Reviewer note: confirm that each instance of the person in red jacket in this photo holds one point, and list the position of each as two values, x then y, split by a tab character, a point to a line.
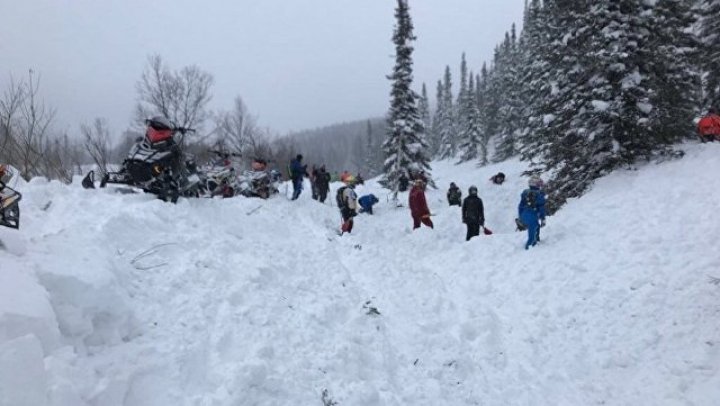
709	126
418	205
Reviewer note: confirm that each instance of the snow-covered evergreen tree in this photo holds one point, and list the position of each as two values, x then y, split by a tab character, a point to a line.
673	74
471	134
435	140
535	75
710	57
406	147
424	111
446	122
462	108
371	162
510	87
481	84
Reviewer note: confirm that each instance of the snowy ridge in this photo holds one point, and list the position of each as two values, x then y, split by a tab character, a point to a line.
119	299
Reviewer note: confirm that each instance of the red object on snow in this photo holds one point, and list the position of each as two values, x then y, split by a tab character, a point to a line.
709	125
487	231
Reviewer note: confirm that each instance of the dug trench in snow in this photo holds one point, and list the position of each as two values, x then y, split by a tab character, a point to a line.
613	307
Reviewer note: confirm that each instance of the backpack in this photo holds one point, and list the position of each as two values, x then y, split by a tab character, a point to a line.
530	200
339	198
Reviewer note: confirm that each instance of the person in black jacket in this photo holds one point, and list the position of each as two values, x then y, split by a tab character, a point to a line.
322	183
473	213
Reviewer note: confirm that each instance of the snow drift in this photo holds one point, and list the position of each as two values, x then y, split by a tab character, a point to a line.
122	300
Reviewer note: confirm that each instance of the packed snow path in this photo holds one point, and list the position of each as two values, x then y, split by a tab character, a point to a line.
119	299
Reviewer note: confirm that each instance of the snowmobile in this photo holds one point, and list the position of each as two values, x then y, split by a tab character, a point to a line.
156	164
9	201
219	178
257	182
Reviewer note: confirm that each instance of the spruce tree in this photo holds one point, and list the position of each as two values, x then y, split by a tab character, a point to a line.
370	163
481	100
471	134
447	127
406	148
424	111
461	111
534	74
510	88
673	75
435	140
710	57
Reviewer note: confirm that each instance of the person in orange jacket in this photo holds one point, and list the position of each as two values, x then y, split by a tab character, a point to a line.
344	176
418	205
709	126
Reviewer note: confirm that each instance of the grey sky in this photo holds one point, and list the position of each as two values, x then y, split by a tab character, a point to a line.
297	63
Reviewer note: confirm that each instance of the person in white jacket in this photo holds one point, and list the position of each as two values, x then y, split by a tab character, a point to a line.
347	202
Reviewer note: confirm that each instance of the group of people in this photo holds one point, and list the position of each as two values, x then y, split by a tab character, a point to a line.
531	209
346	199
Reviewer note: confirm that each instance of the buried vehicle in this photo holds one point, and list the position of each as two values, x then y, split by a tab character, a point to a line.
156	164
218	178
9	200
258	182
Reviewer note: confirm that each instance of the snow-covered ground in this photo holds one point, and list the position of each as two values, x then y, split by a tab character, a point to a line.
110	299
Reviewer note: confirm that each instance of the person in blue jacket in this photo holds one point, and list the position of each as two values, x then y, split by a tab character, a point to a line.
531	210
297	172
367	202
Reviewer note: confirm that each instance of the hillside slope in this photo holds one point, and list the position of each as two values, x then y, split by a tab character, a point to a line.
119	299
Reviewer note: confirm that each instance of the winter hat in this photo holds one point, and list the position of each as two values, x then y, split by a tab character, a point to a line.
452	184
535	181
299	157
472	190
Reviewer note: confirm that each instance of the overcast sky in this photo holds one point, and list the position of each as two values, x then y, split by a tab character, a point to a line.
297	63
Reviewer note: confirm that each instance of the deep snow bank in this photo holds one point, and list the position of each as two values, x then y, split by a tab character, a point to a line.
120	299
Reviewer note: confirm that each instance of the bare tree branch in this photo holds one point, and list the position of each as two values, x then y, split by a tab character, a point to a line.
181	96
97	143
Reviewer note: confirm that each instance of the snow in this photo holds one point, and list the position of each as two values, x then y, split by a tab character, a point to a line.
645	107
600	105
22	373
631	80
122	300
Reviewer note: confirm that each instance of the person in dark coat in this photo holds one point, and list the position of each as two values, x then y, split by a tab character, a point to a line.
322	183
297	172
454	195
418	205
531	210
313	182
473	213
